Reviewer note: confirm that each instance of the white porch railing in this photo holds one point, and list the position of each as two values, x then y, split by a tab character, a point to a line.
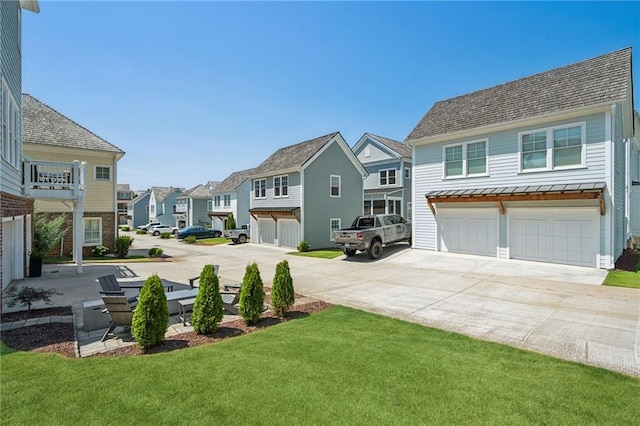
46	179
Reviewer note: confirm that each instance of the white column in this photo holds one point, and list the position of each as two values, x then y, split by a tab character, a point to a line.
78	232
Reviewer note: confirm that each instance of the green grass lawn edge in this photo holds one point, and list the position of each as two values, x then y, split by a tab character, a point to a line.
320	253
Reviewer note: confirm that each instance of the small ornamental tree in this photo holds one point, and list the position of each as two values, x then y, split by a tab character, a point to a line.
251	295
27	296
207	308
231	221
282	294
122	246
151	315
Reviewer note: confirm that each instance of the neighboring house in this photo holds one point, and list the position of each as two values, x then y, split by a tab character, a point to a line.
231	196
162	201
306	191
534	169
192	207
138	210
387	189
57	141
15	207
124	196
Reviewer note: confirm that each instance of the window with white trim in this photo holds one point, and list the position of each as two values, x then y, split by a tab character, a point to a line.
553	148
216	200
335	183
407	172
10	126
387	177
102	173
227	200
260	188
92	231
209	205
281	186
465	159
335	223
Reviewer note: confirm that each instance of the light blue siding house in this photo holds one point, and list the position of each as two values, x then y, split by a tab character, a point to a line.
192	207
162	202
535	169
387	189
304	192
231	196
15	208
138	210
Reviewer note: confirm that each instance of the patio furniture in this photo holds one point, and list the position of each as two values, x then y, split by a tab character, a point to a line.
111	287
230	301
216	269
121	314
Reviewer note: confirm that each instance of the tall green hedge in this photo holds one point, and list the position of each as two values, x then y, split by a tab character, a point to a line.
151	316
251	295
231	221
282	294
208	308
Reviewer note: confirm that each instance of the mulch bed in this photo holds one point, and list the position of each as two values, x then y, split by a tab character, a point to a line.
60	338
628	260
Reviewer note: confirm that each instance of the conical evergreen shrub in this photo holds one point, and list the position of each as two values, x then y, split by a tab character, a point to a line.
251	295
207	308
231	221
151	315
282	294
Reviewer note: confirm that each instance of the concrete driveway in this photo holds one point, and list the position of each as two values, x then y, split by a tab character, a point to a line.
557	310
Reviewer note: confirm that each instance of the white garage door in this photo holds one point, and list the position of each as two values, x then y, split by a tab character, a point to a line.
471	231
289	232
7	253
267	229
568	236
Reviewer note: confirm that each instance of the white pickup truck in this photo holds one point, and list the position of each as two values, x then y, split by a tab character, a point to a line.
370	233
240	235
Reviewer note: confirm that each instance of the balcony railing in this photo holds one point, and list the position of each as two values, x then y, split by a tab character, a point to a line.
46	179
180	208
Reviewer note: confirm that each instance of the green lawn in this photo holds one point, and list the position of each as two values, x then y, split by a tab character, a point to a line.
624	278
212	241
322	253
340	366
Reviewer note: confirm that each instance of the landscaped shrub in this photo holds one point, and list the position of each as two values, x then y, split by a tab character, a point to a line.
100	251
165	235
122	246
47	232
27	296
231	221
190	239
125	228
303	246
251	295
282	294
151	315
155	252
207	308
141	231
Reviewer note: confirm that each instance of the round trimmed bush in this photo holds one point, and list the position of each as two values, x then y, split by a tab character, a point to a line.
207	308
251	295
303	246
151	316
155	252
282	294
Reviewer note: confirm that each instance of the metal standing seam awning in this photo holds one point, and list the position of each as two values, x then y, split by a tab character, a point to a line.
571	191
276	212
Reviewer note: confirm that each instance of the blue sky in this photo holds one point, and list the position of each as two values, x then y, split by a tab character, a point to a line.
193	91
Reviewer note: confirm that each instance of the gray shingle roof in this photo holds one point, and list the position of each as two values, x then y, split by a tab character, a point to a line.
163	192
233	181
199	192
43	125
399	147
293	156
595	81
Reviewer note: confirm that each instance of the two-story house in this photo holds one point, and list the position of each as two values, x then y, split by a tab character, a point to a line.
534	169
124	196
192	207
231	196
387	189
16	208
305	191
49	136
162	201
138	209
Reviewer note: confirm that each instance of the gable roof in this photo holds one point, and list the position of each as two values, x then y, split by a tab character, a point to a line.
212	184
293	156
43	125
401	148
597	81
199	192
163	192
140	196
233	181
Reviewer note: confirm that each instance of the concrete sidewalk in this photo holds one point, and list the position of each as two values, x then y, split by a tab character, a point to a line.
556	310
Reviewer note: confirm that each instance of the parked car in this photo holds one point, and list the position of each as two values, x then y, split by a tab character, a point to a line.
370	233
159	229
239	235
148	226
198	232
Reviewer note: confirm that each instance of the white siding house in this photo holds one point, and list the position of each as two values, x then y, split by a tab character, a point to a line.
535	169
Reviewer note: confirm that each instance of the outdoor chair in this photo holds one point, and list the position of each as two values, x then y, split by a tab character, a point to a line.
121	314
216	270
230	301
111	287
